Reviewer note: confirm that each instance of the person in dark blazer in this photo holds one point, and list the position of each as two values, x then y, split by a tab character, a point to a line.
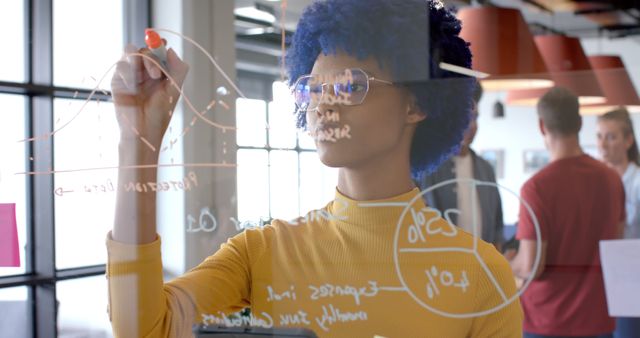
462	195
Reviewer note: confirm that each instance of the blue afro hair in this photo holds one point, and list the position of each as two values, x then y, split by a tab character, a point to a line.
411	37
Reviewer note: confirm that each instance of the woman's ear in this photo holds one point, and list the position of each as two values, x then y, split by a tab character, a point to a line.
629	139
414	113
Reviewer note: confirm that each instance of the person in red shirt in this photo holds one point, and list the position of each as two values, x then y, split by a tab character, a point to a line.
577	201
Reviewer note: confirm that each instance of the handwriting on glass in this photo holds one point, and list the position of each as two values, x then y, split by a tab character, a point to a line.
264	320
330	291
96	188
420	225
184	184
330	98
207	222
444	278
332	134
322	214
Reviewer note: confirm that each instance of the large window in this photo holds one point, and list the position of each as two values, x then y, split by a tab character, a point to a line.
58	137
279	174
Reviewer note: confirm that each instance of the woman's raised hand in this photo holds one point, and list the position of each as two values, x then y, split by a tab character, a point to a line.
145	97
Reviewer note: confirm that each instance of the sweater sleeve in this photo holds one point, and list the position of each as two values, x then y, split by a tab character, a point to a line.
141	305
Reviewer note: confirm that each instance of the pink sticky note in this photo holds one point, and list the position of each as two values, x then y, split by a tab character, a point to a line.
9	253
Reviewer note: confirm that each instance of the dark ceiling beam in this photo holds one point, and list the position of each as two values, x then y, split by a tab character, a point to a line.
253	21
602	10
620	4
621	31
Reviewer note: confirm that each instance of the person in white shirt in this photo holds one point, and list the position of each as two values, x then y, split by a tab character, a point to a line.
618	148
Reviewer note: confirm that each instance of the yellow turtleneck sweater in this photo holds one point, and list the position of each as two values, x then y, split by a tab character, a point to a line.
391	268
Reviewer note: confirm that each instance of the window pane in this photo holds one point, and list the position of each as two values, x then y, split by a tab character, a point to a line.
317	182
305	141
282	126
87	41
12	67
284	184
282	122
251	119
15	308
82	308
13	188
84	193
253	185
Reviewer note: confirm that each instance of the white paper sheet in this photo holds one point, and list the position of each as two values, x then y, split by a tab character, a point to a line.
621	269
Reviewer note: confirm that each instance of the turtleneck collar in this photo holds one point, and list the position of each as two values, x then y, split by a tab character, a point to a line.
383	212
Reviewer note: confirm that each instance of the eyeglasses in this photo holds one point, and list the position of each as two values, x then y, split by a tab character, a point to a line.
350	87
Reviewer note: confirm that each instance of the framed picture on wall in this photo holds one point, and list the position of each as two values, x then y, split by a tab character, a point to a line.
535	160
495	157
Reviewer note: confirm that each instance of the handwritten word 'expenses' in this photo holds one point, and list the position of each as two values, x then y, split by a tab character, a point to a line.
446	280
330	291
185	184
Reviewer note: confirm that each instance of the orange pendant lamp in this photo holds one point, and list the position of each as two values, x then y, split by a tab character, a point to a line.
568	66
616	85
503	48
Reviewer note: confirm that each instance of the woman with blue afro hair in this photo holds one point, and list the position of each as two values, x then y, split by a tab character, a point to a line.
369	86
408	40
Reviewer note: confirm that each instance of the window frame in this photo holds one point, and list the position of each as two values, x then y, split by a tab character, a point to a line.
39	92
266	94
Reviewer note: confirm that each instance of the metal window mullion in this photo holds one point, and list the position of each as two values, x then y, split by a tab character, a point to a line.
42	203
266	89
137	17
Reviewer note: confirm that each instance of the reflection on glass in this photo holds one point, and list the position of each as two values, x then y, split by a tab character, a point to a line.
251	120
86	142
13	159
87	41
15	308
82	308
12	67
284	184
253	186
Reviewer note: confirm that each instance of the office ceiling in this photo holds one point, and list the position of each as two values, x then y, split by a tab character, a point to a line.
580	18
259	42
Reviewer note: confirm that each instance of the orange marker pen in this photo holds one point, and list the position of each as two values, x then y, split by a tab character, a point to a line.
156	46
